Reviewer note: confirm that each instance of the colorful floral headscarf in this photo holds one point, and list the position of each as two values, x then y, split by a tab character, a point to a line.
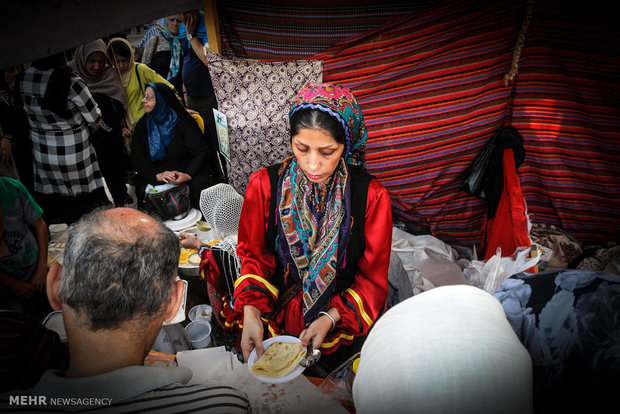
339	102
315	218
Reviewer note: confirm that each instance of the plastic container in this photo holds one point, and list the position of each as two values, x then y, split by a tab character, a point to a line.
202	311
199	333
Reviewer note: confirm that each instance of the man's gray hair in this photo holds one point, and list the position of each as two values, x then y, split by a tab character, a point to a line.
114	272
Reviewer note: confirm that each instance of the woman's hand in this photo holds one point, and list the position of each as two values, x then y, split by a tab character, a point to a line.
189	241
173	177
126	132
180	177
319	329
252	334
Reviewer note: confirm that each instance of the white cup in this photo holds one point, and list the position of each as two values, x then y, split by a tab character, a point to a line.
199	332
202	311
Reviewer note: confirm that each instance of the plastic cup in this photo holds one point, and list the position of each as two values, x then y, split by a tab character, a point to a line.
199	332
202	311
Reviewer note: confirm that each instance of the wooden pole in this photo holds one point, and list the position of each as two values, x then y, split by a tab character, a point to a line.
212	24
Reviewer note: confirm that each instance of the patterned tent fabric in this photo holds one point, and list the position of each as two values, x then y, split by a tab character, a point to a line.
432	92
277	29
256	98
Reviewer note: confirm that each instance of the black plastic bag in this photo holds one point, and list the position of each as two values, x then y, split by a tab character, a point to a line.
475	174
484	177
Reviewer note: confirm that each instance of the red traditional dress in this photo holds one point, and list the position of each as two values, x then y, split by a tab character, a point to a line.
359	304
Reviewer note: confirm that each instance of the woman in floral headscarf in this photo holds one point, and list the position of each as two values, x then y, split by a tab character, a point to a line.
162	52
315	234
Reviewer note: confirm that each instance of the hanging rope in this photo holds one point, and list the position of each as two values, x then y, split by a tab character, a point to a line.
516	54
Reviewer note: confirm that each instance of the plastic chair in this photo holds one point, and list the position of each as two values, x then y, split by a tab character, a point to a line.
200	122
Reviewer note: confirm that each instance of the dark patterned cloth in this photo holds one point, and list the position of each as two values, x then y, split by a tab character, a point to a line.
256	98
564	246
568	321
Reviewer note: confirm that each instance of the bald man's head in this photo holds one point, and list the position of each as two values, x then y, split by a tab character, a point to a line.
119	265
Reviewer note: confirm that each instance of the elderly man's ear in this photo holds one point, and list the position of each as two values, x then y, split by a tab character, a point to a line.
53	285
175	300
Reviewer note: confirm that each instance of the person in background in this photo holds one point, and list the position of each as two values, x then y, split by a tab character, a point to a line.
153	28
23	250
200	95
90	64
60	109
163	52
168	146
315	234
117	285
447	350
134	77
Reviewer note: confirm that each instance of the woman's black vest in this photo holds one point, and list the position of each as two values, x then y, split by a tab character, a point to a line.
359	180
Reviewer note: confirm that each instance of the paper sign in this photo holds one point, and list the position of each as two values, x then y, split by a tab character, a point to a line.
221	126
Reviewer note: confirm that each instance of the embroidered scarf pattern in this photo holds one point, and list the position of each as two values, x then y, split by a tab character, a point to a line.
311	215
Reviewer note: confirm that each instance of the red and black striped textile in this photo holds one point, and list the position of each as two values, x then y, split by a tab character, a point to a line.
277	29
567	107
432	93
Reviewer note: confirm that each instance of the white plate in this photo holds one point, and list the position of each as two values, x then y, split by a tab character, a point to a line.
291	375
189	221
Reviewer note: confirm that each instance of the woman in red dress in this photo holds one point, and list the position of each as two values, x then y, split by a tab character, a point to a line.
314	237
315	234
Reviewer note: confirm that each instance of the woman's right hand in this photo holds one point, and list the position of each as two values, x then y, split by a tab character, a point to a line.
189	241
252	334
166	176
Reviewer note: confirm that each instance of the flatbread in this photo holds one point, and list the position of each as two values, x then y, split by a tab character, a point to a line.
278	360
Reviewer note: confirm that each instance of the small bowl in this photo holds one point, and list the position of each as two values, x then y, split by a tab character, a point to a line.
203	225
202	311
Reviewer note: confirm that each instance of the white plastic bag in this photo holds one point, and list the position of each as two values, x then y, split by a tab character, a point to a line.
488	275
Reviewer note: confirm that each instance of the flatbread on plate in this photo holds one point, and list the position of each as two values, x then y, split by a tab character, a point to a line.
278	360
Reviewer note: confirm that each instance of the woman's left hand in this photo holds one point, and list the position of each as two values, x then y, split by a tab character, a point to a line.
317	330
179	177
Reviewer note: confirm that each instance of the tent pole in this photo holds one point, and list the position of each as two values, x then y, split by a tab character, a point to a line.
213	26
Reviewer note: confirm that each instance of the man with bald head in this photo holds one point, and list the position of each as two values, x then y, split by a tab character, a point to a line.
117	285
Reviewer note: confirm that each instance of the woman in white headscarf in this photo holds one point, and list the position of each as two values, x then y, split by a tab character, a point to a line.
90	63
134	76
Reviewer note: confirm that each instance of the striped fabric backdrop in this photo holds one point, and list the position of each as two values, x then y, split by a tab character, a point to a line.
567	107
276	29
431	88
